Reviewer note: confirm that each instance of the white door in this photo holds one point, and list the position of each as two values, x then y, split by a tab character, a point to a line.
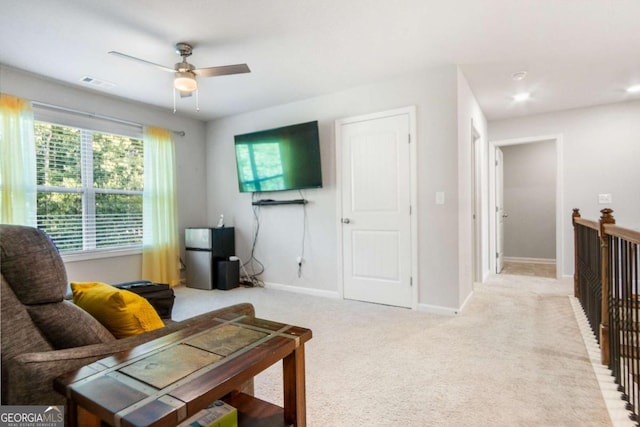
376	197
500	215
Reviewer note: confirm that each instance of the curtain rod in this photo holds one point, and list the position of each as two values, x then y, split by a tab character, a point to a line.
97	116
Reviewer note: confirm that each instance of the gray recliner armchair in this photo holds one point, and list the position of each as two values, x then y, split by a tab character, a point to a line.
43	335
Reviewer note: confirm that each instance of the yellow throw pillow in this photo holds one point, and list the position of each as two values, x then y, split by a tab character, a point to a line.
122	312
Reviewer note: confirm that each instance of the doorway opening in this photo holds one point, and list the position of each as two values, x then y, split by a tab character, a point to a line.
526	190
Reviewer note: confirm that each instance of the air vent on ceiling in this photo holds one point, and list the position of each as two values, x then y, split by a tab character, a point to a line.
98	83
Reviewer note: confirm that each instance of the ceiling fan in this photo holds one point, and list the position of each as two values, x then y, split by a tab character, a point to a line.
185	74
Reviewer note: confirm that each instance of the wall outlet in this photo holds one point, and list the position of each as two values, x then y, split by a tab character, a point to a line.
604	199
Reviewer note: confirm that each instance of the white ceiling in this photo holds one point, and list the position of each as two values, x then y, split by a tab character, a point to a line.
577	52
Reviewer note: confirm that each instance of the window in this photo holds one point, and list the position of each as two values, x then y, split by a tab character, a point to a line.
90	187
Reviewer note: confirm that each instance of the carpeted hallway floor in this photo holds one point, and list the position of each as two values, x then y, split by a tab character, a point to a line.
529	269
513	357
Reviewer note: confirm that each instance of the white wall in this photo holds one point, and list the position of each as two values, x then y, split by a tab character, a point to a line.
190	158
207	183
434	93
601	150
530	200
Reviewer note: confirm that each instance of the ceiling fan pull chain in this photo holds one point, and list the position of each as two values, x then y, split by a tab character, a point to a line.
174	100
197	102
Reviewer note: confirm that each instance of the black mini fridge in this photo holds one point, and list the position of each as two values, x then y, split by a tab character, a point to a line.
207	253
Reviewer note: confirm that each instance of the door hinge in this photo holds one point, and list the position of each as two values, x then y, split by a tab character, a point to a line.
496	163
409	138
497	255
410	210
410	281
497	209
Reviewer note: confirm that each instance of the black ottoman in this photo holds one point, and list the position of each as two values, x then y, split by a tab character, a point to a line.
159	295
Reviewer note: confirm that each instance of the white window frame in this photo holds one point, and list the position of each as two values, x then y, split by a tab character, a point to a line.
88	126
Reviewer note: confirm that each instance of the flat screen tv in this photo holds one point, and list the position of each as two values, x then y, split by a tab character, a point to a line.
285	158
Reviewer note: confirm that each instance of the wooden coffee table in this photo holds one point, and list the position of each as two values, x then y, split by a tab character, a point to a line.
165	381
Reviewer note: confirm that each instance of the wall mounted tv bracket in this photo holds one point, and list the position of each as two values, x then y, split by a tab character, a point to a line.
271	202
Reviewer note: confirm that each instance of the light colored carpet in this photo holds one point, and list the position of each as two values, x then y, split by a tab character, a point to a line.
529	269
513	357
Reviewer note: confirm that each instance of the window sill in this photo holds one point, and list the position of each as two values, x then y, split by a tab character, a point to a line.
100	253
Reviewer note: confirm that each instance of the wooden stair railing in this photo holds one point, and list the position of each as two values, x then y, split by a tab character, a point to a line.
624	314
608	277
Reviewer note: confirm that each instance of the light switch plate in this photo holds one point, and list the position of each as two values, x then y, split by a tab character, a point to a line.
440	198
604	199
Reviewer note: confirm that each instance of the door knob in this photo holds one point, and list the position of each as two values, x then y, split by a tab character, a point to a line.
346	221
505	215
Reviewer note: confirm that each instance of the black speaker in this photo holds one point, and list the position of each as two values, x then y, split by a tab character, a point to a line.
227	274
223	244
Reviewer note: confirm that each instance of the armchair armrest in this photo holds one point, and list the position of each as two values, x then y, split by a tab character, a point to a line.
32	374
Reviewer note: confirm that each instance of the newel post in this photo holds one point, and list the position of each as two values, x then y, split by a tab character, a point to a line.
606	218
576	288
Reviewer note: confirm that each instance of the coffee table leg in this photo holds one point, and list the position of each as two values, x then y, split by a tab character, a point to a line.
77	416
295	405
71	413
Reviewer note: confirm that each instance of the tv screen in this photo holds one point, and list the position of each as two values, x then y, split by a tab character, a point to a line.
285	158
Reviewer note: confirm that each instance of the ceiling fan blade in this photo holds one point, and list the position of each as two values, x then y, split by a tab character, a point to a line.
223	70
133	58
185	94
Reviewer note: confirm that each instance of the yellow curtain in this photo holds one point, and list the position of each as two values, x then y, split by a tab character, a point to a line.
161	250
17	162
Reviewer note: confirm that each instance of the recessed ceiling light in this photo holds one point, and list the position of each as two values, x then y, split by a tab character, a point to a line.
517	76
633	89
523	96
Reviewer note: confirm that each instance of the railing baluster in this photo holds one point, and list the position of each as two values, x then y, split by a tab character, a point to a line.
627	336
633	277
615	310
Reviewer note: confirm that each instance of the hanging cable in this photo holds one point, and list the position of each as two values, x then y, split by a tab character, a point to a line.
304	232
252	278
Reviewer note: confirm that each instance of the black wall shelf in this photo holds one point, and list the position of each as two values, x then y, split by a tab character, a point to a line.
270	202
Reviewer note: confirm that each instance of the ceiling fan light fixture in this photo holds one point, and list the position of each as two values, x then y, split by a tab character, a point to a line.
185	81
185	74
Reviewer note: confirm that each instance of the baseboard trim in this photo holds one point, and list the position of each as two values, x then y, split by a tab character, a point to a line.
486	275
529	260
427	308
436	309
466	301
299	290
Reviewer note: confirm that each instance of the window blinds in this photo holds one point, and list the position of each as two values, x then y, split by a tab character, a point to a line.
90	182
